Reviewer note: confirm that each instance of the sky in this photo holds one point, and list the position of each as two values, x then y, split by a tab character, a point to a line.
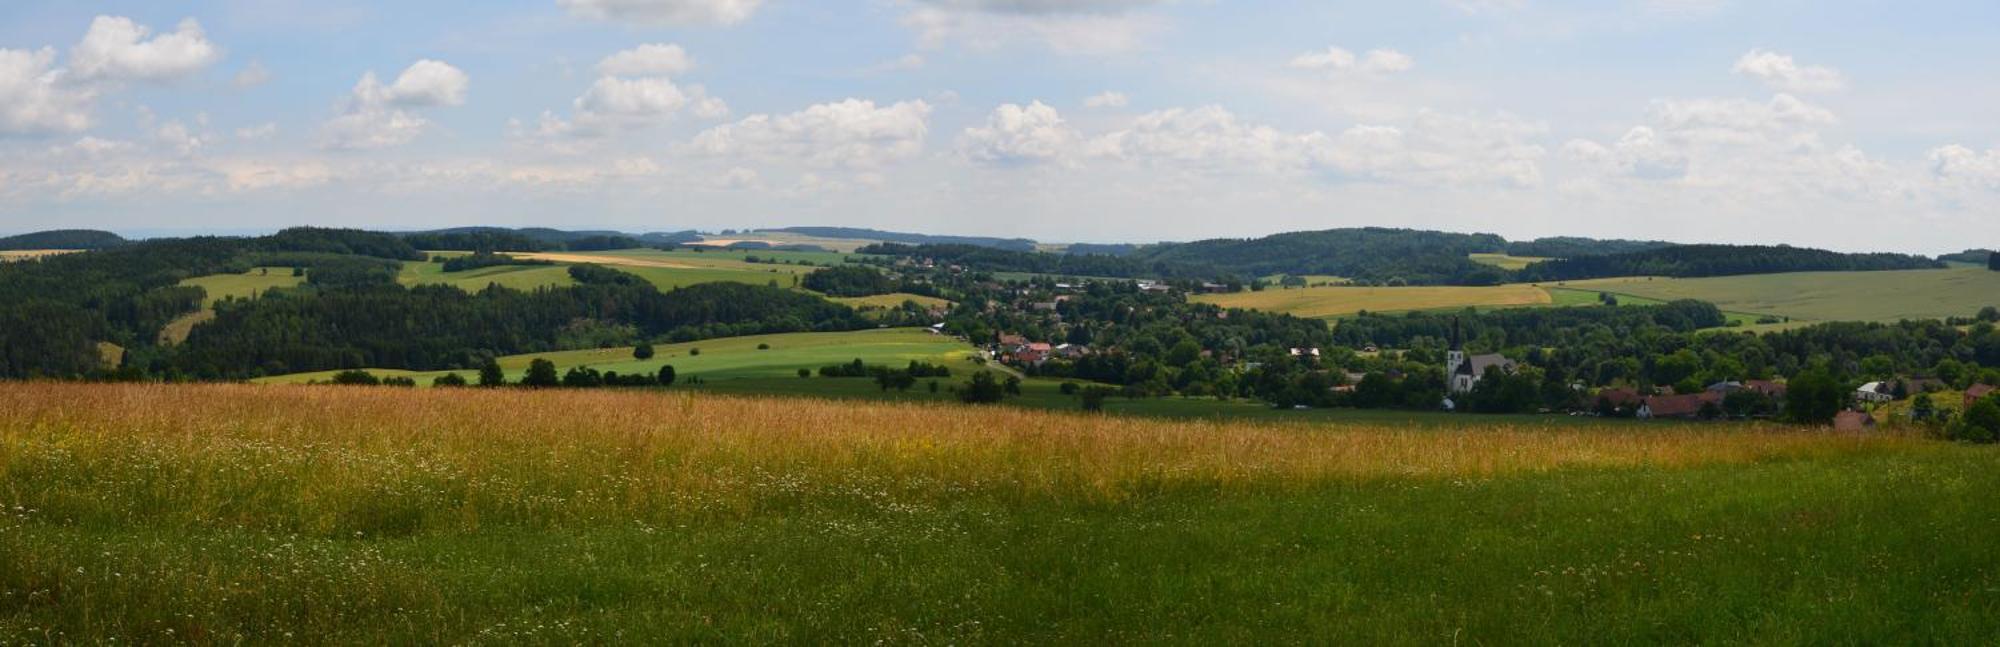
1844	124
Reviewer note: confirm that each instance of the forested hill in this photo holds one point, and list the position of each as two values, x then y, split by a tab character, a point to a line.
988	259
63	239
1375	255
1010	244
539	239
1572	247
351	312
1719	260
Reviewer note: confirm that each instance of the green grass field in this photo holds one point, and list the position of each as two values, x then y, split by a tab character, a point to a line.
398	516
730	358
1826	296
247	285
1334	302
891	301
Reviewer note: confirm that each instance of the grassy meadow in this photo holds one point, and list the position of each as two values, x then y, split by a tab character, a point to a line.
1335	302
248	285
239	513
728	358
894	300
1825	296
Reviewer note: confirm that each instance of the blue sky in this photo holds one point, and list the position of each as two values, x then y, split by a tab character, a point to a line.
1849	125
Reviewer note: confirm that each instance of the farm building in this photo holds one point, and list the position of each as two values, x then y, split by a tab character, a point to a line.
1977	391
1874	392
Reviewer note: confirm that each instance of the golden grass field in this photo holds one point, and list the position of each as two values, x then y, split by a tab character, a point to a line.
365	515
651	453
1330	302
1504	261
894	300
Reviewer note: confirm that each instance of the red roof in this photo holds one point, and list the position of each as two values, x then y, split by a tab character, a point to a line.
1620	397
1977	391
1765	387
1677	406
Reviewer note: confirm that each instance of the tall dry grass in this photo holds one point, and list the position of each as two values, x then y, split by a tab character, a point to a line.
326	460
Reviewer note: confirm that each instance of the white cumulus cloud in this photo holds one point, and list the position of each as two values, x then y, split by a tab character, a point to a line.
854	133
117	48
1780	72
665	12
1336	61
648	60
380	116
1019	134
1107	99
36	97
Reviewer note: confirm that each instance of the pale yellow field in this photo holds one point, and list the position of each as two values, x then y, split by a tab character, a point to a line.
27	254
1826	296
1342	301
842	245
1504	261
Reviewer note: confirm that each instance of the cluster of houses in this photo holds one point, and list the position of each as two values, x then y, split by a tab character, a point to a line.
1015	349
1687	405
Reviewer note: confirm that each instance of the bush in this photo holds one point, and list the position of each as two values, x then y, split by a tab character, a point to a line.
763	347
642	352
983	389
666	376
805	373
541	374
356	378
491	375
400	381
449	380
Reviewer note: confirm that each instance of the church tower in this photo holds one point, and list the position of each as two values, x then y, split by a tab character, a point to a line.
1457	375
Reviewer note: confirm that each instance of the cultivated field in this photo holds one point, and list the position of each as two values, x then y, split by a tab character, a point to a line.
841	245
1331	302
1504	261
237	513
730	358
1826	296
27	254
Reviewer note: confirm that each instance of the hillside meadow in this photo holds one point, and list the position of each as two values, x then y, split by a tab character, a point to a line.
239	513
1825	296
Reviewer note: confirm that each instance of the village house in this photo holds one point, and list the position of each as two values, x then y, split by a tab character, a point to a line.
1977	391
1875	392
1686	406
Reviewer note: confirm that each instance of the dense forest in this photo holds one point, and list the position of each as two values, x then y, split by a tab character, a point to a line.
538	239
63	239
1719	260
1372	255
351	312
1973	256
1573	247
849	281
439	327
986	259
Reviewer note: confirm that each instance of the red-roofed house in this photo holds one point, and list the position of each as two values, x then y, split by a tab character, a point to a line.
1977	391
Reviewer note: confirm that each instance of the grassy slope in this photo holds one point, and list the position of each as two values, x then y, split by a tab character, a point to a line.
399	516
732	358
247	285
1827	296
1330	302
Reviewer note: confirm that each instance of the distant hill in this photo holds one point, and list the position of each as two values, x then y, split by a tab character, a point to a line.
1370	254
1011	244
1719	260
1102	249
1974	256
538	239
1573	247
63	239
